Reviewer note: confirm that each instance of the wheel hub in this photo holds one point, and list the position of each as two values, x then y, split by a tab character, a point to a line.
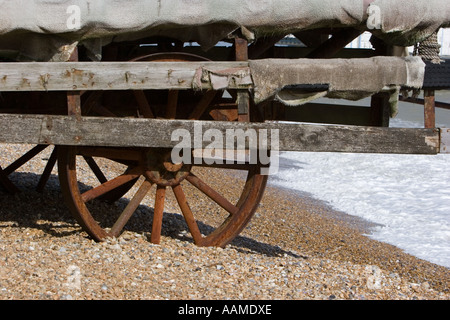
162	171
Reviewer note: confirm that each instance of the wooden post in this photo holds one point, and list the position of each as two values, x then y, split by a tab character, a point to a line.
74	97
429	108
243	97
243	101
74	104
379	110
241	49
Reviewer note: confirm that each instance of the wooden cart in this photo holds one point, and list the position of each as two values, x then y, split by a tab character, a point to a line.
125	107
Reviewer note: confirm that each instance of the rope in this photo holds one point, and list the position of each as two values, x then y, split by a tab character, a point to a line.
429	49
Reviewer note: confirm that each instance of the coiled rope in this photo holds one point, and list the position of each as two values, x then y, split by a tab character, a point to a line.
429	49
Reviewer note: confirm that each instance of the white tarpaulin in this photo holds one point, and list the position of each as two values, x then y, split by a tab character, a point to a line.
37	29
350	79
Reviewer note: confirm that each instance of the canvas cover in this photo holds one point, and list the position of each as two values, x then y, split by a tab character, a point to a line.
278	77
42	29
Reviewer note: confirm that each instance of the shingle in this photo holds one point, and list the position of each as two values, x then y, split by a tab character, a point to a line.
437	76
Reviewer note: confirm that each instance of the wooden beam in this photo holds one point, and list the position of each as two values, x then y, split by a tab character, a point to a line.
333	45
429	109
241	49
223	53
258	48
379	109
140	132
437	104
73	76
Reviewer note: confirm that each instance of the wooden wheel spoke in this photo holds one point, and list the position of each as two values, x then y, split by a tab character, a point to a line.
91	102
187	213
204	103
111	184
130	208
94	104
144	106
212	194
103	111
47	170
23	159
95	169
158	214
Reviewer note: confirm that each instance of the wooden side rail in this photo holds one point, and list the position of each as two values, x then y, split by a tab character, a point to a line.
140	132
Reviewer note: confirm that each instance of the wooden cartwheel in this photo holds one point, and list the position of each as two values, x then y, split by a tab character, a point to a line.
151	168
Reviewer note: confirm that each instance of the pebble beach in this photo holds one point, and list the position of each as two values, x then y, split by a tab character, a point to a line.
294	248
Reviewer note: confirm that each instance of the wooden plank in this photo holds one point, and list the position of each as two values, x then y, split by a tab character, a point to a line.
130	132
68	76
361	139
437	104
445	140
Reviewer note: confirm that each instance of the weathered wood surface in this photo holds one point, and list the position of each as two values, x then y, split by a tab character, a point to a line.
57	76
129	132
